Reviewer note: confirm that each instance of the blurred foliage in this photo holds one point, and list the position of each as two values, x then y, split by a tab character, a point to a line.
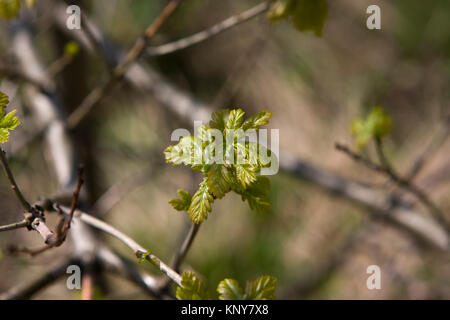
7	121
262	288
305	15
377	125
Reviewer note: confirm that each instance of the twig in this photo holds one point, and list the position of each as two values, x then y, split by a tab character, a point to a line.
13	183
57	239
117	191
208	33
140	251
133	54
15	74
76	196
437	141
27	290
185	246
59	65
407	185
13	226
386	169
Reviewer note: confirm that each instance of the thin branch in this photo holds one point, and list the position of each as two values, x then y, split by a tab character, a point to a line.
438	139
119	190
14	74
386	169
185	246
13	183
208	33
27	290
13	226
133	54
137	248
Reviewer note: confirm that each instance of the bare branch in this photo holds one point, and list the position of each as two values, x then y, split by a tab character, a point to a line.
137	248
208	33
27	290
185	246
133	54
13	226
438	139
26	205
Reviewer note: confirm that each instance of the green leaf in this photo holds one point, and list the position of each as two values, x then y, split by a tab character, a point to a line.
246	174
310	15
263	288
188	151
201	203
193	288
361	133
219	119
378	124
257	120
4	100
7	122
9	9
183	203
219	180
229	289
235	119
257	195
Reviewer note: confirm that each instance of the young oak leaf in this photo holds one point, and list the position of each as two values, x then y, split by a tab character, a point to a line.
378	124
257	195
235	119
246	174
219	119
259	119
201	203
7	122
230	289
4	100
219	180
9	8
193	288
263	288
183	203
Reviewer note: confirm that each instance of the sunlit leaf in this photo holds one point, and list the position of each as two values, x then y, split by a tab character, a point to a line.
193	288
201	203
9	8
229	289
183	203
263	288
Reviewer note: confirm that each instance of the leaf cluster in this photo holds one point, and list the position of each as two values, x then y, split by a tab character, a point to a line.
228	163
7	121
305	15
262	288
9	9
378	124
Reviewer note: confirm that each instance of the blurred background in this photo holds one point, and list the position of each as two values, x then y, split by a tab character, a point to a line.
318	245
